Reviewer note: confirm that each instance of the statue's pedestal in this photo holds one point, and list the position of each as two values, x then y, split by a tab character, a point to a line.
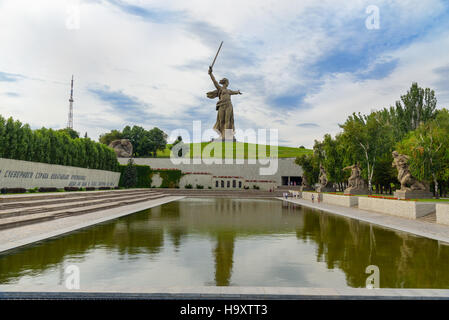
355	191
413	194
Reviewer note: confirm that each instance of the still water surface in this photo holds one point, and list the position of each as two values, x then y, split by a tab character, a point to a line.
229	242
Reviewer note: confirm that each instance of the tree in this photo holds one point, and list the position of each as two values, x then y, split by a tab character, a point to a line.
178	140
70	132
428	148
310	166
130	175
107	138
367	138
157	140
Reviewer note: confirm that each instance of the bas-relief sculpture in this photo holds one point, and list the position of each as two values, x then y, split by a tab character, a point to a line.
123	148
356	184
411	188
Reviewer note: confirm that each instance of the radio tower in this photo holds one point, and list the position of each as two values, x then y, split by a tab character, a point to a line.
70	122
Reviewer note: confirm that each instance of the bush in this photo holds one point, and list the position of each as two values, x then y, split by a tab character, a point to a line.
170	178
71	189
90	188
104	188
246	187
13	190
256	187
188	186
48	189
198	186
143	176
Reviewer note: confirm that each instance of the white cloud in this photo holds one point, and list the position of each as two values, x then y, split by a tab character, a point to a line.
272	43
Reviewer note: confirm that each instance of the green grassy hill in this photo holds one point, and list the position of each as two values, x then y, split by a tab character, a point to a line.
283	152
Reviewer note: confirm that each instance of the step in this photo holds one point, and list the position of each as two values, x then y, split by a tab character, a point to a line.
41	202
54	207
14	222
67	194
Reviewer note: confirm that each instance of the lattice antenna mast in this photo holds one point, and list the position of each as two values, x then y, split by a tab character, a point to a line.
70	122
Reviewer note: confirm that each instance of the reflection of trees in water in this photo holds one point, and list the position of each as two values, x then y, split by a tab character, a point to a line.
123	236
223	253
404	260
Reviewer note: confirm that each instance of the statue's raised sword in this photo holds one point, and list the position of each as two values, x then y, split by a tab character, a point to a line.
211	66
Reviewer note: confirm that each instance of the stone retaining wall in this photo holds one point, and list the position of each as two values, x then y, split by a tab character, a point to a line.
401	208
340	200
308	196
29	175
249	170
442	210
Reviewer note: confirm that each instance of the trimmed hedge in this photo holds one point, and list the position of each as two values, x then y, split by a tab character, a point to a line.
170	178
19	142
143	176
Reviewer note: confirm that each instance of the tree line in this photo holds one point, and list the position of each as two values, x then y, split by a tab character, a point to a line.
63	147
413	126
145	143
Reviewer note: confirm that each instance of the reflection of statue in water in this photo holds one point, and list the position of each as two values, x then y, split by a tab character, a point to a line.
408	182
356	184
224	252
225	114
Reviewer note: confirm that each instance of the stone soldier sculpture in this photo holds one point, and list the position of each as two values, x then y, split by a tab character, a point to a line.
324	186
356	184
224	125
305	185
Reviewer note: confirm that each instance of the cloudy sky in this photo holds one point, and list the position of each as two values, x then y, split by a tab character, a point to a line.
303	66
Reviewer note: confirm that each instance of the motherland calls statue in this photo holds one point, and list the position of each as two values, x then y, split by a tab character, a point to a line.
123	148
225	112
356	184
410	187
324	186
224	125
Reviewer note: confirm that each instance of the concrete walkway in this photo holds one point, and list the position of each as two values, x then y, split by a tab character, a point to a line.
421	228
236	293
21	236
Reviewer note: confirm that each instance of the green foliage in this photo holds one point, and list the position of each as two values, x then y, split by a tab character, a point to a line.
370	139
428	149
71	133
310	166
170	178
130	175
18	141
178	140
199	186
146	143
107	138
143	175
188	186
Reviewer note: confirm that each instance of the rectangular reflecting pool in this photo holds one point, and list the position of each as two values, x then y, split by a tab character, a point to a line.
228	242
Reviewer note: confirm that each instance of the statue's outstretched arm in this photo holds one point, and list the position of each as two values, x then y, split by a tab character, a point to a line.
213	79
234	92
